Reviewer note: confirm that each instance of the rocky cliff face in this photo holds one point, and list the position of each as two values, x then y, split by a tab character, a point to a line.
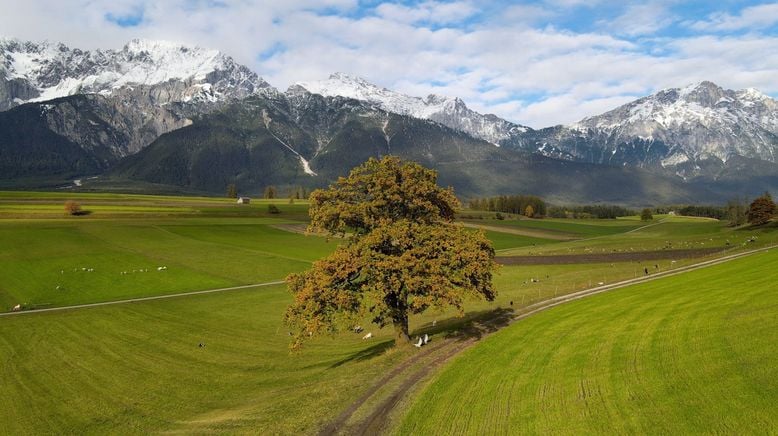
168	72
130	96
692	131
451	112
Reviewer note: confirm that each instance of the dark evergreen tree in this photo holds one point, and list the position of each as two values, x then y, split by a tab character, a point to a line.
232	191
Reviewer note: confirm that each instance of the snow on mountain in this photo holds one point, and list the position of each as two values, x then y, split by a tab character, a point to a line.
451	112
44	71
675	128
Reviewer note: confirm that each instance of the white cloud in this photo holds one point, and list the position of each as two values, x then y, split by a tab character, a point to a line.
534	76
430	11
640	19
568	108
753	17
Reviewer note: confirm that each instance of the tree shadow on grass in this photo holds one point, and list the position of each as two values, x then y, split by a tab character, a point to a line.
367	353
472	325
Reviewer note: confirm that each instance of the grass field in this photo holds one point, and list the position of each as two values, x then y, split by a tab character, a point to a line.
580	228
667	234
138	368
71	262
693	353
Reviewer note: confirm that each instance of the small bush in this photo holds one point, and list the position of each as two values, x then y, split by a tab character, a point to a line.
499	216
72	208
271	208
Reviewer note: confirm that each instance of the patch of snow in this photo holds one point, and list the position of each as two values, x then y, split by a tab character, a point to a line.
449	111
306	166
343	85
674	159
57	71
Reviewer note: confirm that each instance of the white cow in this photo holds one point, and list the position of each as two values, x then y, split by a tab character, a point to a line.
368	336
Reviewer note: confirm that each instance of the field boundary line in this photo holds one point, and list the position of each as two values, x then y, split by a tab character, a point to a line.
531	233
556	301
142	299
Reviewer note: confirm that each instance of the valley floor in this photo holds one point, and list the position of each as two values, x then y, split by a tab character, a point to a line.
219	361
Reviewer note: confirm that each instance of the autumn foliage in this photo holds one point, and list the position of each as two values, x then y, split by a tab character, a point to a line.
402	254
72	208
761	210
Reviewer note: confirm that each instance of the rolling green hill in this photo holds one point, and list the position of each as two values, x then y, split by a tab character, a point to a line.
686	354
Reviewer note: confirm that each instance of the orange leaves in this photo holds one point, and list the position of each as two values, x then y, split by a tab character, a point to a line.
404	256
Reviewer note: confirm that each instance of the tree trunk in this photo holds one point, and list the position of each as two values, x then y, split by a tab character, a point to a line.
401	337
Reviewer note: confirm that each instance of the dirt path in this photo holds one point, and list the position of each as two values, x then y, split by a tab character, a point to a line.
378	418
293	228
340	421
136	300
565	259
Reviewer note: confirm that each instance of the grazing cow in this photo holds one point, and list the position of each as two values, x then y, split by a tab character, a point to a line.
434	321
16	308
368	336
358	329
419	344
426	339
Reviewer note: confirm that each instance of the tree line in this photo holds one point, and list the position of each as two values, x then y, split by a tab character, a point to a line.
527	205
737	210
270	192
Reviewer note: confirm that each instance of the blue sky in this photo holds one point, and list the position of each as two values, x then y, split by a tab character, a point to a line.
535	62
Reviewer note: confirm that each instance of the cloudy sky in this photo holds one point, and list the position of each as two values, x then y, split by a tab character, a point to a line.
537	63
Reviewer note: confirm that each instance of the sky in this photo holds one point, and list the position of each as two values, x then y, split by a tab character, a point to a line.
536	63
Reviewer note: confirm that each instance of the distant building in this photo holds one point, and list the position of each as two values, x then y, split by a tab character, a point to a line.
244	200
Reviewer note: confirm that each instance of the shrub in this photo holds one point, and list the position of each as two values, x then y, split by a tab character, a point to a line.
72	208
271	208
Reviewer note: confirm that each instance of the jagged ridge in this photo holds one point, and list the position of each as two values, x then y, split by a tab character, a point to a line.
44	71
451	112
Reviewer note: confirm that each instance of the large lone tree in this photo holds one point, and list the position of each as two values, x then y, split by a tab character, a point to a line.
402	254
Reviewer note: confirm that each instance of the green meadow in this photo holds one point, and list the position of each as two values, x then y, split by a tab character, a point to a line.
688	354
578	228
47	263
138	368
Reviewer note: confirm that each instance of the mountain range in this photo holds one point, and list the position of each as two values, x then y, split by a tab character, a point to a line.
160	115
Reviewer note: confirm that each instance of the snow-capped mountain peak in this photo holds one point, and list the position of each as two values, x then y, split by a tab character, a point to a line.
44	71
344	85
688	127
449	111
